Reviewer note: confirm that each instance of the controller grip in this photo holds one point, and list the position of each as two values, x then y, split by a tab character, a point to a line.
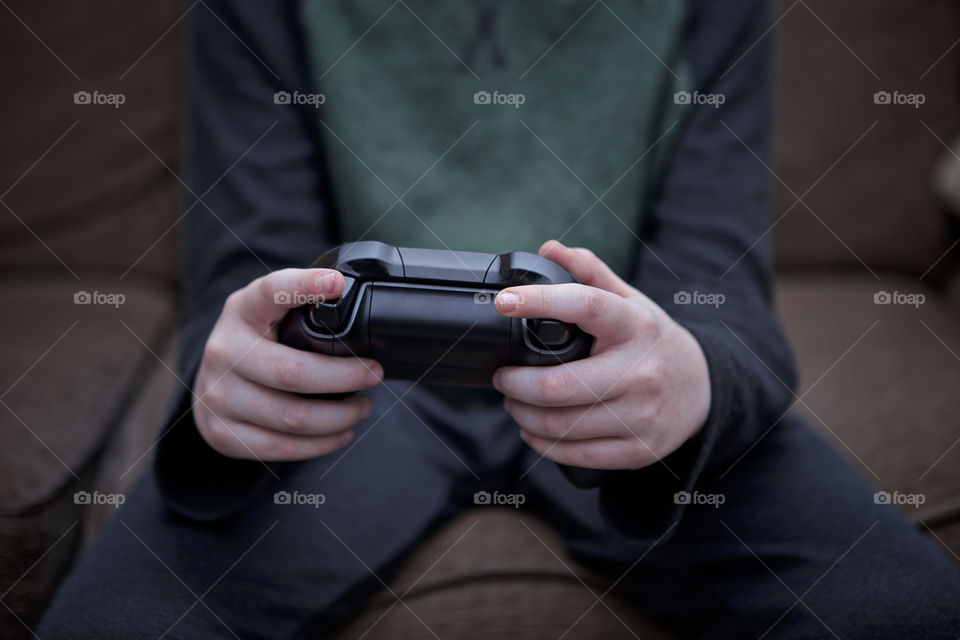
583	478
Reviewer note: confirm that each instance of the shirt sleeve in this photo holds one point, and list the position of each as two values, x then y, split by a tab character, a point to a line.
706	259
254	202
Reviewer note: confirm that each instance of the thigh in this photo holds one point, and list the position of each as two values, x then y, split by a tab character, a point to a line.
798	549
304	554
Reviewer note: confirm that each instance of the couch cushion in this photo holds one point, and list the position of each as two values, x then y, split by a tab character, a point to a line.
490	574
878	198
98	198
69	370
888	396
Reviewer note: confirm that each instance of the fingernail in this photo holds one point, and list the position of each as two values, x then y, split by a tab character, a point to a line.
496	381
327	281
506	301
375	375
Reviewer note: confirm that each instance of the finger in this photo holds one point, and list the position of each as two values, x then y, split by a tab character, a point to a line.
249	442
598	312
286	369
267	299
583	422
586	267
599	453
286	412
594	379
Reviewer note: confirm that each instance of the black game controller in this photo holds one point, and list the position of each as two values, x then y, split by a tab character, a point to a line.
427	314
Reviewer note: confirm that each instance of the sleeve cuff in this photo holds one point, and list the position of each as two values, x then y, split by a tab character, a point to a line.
643	504
195	480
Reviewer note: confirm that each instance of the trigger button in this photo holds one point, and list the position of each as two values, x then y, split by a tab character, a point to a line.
550	334
331	315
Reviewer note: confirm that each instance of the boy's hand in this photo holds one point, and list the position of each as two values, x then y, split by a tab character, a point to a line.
641	394
247	384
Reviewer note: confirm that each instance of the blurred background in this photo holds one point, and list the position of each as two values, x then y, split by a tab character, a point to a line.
865	225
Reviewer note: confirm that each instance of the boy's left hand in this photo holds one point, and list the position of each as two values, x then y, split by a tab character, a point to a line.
643	391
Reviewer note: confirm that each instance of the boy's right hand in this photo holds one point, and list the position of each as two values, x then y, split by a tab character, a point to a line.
247	386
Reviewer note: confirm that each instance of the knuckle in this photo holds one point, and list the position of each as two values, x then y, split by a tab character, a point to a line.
214	395
293	418
280	449
592	302
646	319
554	424
289	373
215	353
576	457
544	297
585	254
233	301
219	436
652	375
553	386
261	286
640	417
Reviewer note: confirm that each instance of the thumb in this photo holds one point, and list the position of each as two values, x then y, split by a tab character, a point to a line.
587	268
267	299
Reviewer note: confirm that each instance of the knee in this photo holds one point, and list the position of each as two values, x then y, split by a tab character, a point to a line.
917	604
78	613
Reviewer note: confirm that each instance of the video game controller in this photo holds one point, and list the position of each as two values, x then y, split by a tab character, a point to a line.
428	315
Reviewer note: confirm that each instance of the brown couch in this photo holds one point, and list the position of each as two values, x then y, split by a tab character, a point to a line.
89	197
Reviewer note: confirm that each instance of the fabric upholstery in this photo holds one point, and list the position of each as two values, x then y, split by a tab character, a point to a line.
500	581
876	204
890	373
99	198
69	376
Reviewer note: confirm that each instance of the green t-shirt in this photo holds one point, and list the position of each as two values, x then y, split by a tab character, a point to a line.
493	126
